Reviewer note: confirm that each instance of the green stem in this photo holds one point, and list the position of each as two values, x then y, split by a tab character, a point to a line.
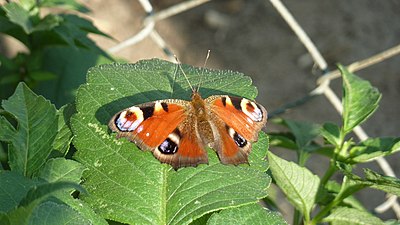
328	174
323	212
296	217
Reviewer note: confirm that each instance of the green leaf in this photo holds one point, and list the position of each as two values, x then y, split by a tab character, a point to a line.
83	208
373	148
131	186
384	183
66	4
19	15
47	23
304	132
42	191
54	213
74	30
373	180
42	75
64	135
282	140
331	132
334	188
248	214
298	183
360	100
13	189
31	142
350	216
62	90
60	169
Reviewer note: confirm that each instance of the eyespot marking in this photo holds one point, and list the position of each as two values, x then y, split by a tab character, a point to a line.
252	110
237	138
130	119
171	144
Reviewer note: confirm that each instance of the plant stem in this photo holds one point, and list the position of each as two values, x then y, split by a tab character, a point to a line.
296	217
323	212
328	174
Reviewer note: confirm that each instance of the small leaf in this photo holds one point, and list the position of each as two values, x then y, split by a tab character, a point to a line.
42	75
74	31
298	183
248	214
54	213
282	140
350	216
64	135
384	183
373	148
373	180
66	4
19	15
47	23
32	142
360	100
42	191
60	169
334	188
331	132
304	132
83	208
13	189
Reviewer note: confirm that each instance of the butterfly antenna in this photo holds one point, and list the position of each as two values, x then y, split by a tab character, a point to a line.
180	67
204	68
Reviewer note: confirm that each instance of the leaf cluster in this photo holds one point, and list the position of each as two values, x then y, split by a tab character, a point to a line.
43	36
335	201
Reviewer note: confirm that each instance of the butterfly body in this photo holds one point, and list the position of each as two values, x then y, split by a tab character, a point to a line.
178	131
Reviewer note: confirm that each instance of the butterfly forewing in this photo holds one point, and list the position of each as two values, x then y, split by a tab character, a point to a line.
149	124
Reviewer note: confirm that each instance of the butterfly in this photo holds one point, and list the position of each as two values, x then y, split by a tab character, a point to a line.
178	131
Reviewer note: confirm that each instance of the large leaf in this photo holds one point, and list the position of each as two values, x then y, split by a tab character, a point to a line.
131	186
31	143
298	183
248	214
351	216
360	100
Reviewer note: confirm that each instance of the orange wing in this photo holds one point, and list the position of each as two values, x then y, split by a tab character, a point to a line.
163	127
149	124
236	123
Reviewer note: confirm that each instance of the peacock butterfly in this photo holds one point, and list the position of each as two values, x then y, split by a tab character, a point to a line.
178	131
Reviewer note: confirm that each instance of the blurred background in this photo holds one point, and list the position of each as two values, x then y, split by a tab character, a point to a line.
251	37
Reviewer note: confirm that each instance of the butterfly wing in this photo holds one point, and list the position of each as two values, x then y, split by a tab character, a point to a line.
235	123
164	128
